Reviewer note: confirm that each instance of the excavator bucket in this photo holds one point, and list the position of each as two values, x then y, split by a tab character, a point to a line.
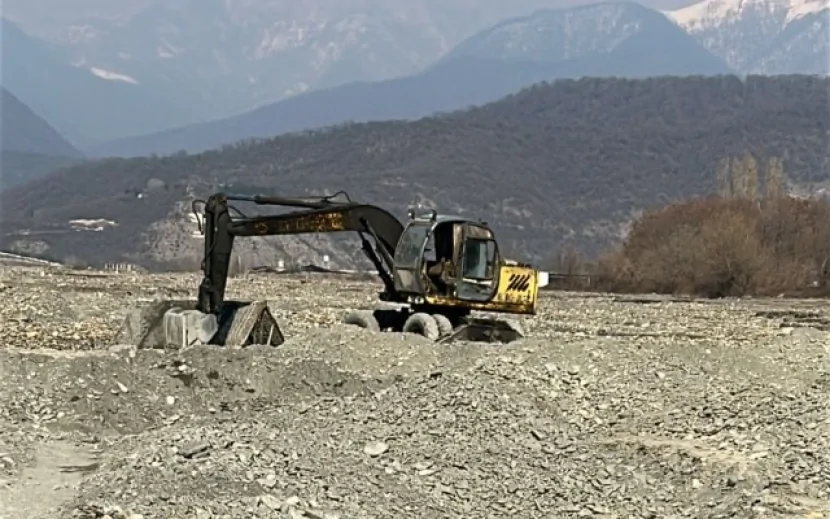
486	330
176	324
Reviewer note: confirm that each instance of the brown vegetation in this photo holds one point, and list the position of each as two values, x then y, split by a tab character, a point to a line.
735	244
719	247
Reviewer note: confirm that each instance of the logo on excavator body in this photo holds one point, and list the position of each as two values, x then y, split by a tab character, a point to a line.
519	282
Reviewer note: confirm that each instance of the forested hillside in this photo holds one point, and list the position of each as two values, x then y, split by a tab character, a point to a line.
568	162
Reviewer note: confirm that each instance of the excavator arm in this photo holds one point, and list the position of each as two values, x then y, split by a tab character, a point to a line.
320	215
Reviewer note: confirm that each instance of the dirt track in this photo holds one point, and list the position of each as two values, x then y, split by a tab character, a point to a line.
608	409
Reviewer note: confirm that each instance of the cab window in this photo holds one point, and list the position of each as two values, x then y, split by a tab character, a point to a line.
479	257
408	252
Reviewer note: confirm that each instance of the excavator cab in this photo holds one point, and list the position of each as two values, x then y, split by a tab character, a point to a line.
446	257
445	267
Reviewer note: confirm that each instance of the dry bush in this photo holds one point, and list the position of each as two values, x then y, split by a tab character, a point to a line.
720	247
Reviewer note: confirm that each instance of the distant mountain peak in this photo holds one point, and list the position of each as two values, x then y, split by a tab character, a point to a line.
562	34
762	36
710	13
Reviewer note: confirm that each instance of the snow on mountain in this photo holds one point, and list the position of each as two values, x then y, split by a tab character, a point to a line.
805	7
753	36
112	76
713	13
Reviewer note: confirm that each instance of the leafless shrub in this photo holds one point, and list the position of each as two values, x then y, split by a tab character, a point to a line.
747	240
725	247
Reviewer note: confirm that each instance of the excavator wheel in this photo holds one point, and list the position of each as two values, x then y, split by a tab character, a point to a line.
364	319
422	324
445	326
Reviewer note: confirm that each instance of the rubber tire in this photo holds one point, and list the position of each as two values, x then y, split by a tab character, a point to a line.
422	324
364	319
445	327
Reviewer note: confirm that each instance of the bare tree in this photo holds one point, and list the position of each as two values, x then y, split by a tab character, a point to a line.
751	181
738	178
774	178
723	179
745	177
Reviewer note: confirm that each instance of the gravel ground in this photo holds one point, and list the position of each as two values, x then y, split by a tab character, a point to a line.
611	407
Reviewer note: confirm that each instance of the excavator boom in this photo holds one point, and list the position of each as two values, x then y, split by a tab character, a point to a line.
320	216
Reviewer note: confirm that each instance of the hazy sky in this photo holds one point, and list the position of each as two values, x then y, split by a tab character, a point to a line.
47	18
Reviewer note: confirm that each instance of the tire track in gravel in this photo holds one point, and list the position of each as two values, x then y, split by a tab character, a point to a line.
41	488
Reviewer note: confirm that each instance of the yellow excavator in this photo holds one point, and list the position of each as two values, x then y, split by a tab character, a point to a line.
435	269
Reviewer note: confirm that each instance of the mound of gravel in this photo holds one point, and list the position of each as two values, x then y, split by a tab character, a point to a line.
608	409
527	430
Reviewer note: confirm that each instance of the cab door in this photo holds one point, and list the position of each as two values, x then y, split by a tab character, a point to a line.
477	264
408	259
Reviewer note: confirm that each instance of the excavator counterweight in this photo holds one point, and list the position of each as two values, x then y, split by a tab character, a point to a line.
437	269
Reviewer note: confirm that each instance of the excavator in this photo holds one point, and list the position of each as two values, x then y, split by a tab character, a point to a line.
436	270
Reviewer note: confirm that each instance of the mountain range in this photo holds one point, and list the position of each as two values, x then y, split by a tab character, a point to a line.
180	61
30	147
567	162
135	78
635	42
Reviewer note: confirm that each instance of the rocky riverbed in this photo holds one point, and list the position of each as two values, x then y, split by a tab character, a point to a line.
611	407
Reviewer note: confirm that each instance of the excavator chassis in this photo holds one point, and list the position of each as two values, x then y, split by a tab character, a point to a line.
176	324
436	326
